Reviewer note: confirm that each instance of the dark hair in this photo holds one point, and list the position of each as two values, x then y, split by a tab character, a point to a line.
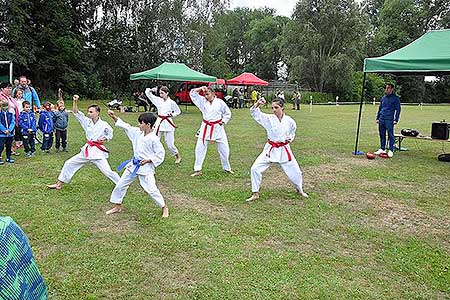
5	85
279	100
25	103
211	89
164	89
147	118
97	108
390	85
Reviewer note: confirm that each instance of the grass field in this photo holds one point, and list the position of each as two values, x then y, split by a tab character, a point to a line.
370	229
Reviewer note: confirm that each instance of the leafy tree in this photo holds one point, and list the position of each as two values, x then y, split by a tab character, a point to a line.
319	48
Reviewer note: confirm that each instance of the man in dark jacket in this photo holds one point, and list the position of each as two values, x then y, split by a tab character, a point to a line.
387	116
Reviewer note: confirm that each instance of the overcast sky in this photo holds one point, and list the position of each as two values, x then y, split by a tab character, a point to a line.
282	7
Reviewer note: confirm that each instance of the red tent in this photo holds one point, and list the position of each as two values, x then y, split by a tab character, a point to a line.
247	79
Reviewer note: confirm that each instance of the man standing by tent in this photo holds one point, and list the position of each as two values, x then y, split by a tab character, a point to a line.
387	116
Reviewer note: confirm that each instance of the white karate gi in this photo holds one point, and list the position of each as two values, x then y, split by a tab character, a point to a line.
212	112
144	147
100	130
165	108
278	132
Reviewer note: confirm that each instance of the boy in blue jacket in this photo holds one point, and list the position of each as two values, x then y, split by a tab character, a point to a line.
27	125
7	124
45	124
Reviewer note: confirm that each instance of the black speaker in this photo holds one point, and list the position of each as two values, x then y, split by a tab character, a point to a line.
439	130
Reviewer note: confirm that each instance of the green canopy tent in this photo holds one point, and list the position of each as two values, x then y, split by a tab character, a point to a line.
428	55
173	72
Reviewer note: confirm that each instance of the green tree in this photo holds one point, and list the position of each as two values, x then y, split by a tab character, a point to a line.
320	50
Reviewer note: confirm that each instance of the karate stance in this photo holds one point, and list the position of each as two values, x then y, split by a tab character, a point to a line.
148	153
215	114
167	110
97	132
280	132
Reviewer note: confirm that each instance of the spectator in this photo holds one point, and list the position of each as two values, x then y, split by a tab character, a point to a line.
27	124
45	124
7	124
14	108
61	122
29	93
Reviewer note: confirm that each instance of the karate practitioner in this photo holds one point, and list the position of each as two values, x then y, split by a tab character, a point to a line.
148	153
167	110
215	114
97	132
280	132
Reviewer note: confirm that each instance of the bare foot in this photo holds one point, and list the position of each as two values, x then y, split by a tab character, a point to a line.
302	193
178	160
196	173
165	212
115	209
253	197
56	186
230	172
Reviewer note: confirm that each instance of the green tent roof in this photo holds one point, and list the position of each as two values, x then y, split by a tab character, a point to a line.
174	72
428	54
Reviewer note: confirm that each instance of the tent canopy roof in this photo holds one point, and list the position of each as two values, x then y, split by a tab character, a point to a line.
247	79
173	72
428	54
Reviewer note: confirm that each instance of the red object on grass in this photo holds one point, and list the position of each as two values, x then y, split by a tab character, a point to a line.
370	155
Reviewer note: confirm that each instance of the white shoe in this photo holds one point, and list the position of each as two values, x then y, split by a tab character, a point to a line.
379	151
390	154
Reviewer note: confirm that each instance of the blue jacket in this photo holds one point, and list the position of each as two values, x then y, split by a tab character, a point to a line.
389	105
61	119
29	94
7	122
27	120
45	122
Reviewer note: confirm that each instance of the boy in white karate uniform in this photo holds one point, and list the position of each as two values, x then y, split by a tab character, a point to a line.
148	153
280	133
215	114
167	110
97	132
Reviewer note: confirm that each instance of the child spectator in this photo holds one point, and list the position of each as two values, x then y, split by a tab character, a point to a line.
45	124
7	124
61	121
27	125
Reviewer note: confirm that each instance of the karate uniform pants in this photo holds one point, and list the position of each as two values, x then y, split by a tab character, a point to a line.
169	138
147	182
72	165
290	168
222	148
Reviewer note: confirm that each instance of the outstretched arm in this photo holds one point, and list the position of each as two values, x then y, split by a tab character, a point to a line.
75	103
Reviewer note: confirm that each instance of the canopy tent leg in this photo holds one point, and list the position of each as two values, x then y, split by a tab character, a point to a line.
357	152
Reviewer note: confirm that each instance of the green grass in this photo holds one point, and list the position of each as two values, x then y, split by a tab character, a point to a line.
370	229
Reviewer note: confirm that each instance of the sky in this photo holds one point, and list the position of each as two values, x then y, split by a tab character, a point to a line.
282	7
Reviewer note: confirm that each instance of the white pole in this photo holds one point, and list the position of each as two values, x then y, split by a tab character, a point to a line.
337	98
310	103
373	100
11	72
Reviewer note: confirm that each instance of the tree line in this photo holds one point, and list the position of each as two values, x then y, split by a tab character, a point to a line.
91	46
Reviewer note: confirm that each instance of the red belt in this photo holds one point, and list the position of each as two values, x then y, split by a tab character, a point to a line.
167	118
278	145
208	123
97	144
